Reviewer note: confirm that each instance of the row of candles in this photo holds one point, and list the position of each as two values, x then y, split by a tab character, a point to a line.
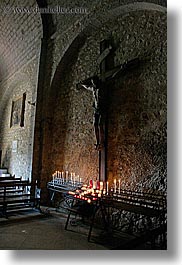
62	177
104	186
96	189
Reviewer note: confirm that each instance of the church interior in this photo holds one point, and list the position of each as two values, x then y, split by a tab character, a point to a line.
83	124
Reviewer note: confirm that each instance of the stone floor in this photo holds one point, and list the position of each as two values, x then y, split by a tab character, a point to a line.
34	231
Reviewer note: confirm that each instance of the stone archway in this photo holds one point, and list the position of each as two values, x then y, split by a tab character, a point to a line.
84	28
63	95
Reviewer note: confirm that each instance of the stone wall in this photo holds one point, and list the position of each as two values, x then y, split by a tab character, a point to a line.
20	51
19	33
64	116
69	26
137	113
24	81
137	105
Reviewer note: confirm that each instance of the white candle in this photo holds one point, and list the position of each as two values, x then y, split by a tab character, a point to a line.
73	178
63	176
107	187
66	176
115	186
101	185
94	184
119	186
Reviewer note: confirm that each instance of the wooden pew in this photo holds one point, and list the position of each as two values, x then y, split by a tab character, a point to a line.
17	195
10	178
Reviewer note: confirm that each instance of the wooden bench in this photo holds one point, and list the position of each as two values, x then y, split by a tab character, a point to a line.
16	195
2	178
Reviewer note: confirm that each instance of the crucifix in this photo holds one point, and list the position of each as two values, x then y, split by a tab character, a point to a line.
98	85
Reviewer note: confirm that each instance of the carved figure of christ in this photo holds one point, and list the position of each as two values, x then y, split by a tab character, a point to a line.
99	85
92	84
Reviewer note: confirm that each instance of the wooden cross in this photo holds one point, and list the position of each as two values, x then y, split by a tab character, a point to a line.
104	46
99	87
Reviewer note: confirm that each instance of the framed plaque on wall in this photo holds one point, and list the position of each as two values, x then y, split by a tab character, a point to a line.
17	111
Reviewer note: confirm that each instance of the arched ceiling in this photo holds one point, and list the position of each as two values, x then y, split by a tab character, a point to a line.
20	31
94	22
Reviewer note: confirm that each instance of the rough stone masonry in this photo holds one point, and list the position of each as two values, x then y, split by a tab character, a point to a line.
45	56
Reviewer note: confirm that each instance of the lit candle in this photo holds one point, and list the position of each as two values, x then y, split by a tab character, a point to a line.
115	186
63	176
107	187
119	186
98	185
94	184
101	185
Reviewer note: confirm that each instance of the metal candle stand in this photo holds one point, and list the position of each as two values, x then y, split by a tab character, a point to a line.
148	205
111	204
56	186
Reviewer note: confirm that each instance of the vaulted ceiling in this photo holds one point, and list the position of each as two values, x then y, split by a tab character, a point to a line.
20	31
